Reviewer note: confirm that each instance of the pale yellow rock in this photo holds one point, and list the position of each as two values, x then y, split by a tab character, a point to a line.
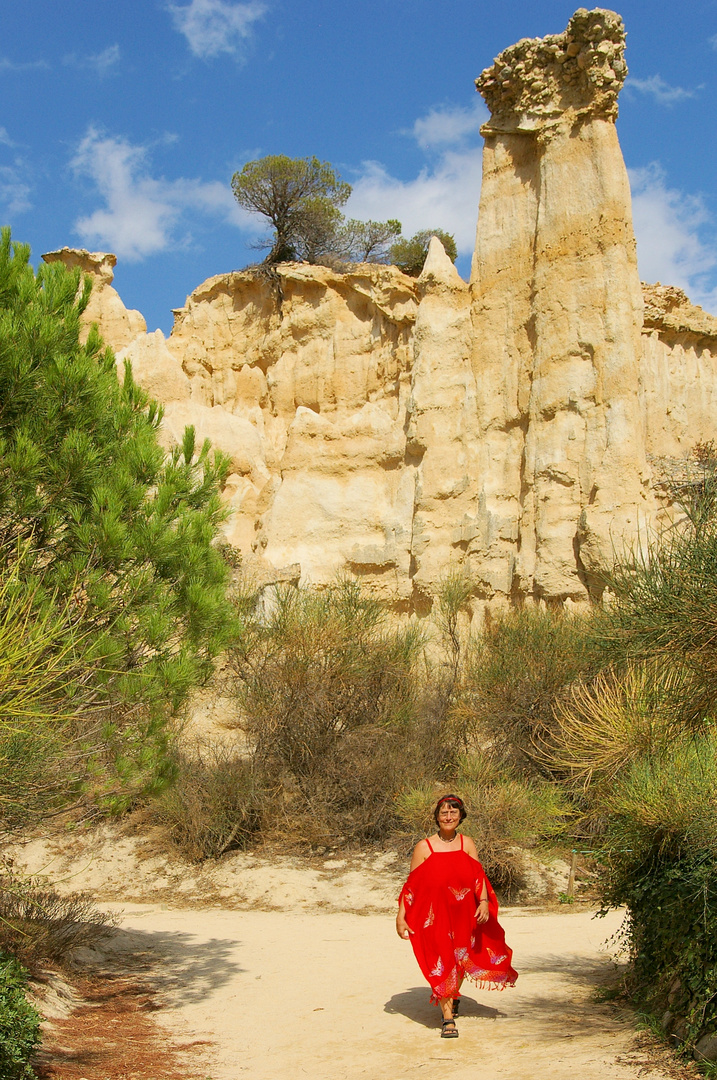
117	324
155	368
442	421
678	374
557	313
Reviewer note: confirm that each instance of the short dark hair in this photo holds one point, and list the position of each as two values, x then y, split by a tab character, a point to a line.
455	801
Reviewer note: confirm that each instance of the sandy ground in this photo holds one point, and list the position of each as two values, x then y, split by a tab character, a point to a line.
294	969
338	996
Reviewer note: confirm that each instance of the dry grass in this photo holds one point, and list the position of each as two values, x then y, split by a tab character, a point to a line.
38	924
213	804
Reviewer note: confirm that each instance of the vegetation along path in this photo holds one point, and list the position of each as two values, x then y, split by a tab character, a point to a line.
337	996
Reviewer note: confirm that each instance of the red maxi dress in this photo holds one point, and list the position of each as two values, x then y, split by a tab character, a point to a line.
440	899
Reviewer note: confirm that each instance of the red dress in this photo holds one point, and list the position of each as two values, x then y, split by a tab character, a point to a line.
440	899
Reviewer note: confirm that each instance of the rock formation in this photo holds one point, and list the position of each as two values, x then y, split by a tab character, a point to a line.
557	312
511	427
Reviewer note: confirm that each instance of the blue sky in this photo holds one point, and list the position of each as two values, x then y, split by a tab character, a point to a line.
122	121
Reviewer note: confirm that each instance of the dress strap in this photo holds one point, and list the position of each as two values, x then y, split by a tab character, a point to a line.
461	836
429	845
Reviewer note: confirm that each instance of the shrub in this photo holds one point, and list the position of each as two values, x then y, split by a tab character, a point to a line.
19	1023
515	672
659	860
328	694
37	923
665	607
603	724
213	804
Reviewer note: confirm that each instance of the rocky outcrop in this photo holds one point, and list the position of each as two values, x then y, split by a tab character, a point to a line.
120	325
679	374
513	427
557	312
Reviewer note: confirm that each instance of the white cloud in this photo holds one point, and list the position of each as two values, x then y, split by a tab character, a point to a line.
14	186
671	245
445	193
656	87
102	63
447	125
444	197
30	65
14	191
213	27
143	215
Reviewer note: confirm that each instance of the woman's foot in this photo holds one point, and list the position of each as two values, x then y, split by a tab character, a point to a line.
449	1030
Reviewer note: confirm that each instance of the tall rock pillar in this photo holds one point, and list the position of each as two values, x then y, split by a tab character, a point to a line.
557	315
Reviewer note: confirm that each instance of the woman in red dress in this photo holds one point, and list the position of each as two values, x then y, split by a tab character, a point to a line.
449	912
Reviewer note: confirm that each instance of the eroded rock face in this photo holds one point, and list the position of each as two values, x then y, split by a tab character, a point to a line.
401	428
678	374
119	324
557	313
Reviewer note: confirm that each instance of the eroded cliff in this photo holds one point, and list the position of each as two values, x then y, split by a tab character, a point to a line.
402	428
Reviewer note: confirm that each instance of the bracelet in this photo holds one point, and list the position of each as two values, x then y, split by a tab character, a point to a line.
485	900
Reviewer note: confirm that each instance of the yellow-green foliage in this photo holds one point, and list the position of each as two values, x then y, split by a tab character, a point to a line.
603	724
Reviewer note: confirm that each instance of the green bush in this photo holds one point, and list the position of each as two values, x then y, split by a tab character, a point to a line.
19	1023
409	255
660	860
107	556
515	672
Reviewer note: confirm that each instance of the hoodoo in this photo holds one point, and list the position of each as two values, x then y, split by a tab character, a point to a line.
557	315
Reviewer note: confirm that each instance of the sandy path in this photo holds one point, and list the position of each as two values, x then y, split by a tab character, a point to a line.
337	996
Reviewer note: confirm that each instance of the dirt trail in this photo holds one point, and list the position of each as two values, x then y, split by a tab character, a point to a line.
337	996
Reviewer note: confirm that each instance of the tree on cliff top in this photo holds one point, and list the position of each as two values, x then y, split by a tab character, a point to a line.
300	197
410	255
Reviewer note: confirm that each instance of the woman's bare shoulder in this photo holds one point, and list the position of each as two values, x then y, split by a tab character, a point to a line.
420	853
470	848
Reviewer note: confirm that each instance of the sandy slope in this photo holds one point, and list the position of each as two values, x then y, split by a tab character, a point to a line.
337	996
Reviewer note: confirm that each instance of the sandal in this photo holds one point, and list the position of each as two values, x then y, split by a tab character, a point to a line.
446	1034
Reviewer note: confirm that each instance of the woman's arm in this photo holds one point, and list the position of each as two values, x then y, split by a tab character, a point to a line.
402	928
420	854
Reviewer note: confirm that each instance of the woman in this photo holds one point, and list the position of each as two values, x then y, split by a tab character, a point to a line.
449	912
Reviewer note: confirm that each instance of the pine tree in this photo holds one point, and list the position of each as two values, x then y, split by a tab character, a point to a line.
108	522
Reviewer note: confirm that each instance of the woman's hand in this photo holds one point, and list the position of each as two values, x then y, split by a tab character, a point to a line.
482	912
402	928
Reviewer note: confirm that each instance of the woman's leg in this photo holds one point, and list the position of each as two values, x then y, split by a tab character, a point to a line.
448	1028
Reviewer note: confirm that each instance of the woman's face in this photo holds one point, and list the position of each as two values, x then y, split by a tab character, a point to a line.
449	816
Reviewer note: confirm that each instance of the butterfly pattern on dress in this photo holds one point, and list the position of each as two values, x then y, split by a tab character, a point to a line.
430	918
408	897
438	969
460	954
460	894
494	958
